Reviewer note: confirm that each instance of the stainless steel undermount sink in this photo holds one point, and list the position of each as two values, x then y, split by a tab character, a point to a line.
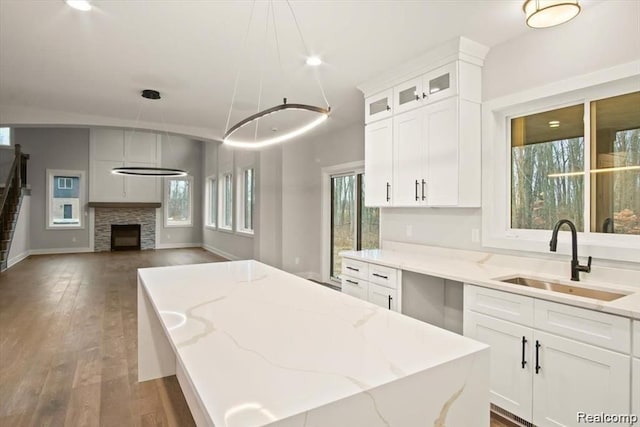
565	289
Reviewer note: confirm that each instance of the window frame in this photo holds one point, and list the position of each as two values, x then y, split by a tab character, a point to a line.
241	200
496	171
178	224
222	200
80	174
212	185
11	138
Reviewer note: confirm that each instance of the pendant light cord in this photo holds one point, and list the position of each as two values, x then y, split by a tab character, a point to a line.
264	58
307	51
235	85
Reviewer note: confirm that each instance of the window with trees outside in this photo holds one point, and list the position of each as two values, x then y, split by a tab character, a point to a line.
588	171
246	200
212	201
353	225
179	202
225	216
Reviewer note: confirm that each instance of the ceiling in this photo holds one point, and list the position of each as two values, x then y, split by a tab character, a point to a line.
70	67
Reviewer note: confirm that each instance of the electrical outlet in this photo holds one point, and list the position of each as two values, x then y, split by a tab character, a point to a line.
168	236
475	235
409	230
73	239
296	260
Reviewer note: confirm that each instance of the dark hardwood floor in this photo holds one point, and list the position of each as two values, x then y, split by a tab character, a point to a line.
68	343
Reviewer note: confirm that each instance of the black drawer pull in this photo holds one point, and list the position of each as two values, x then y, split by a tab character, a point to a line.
381	276
524	343
352	268
390	302
538	367
352	281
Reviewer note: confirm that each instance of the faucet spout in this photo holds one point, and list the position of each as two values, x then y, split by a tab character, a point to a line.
576	268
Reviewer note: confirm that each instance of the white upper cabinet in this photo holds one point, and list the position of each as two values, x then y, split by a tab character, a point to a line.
435	107
378	106
378	165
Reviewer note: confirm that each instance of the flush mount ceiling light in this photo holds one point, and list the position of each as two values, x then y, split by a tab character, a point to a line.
549	13
82	5
318	114
149	171
554	124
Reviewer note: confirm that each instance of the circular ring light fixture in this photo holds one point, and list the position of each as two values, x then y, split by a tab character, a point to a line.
147	171
549	13
323	114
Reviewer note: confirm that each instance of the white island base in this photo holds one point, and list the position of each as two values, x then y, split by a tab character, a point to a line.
254	346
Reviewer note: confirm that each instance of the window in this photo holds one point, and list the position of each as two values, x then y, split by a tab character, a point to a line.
549	169
246	200
178	202
531	177
353	225
212	201
65	199
5	137
226	201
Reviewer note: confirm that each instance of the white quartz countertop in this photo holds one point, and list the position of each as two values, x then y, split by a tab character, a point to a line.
261	345
486	269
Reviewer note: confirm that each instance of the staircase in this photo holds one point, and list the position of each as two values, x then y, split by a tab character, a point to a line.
10	200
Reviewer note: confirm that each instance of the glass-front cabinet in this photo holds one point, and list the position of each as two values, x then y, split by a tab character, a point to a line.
440	83
378	106
407	95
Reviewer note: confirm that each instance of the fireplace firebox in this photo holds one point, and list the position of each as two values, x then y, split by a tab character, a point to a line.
125	237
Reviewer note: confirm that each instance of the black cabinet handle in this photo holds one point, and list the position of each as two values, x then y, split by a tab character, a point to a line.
388	188
423	184
388	108
417	97
417	184
352	268
381	276
524	343
424	95
390	302
352	281
538	356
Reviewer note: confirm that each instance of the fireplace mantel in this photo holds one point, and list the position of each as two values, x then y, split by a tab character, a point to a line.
123	205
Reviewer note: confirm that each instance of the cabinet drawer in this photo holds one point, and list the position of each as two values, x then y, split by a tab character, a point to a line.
636	341
355	287
383	296
503	305
384	276
355	268
592	327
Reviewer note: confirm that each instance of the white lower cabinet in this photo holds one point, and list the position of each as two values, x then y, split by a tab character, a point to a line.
545	378
383	296
355	287
381	286
635	392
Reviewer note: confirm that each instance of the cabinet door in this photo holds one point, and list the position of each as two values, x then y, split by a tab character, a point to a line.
441	134
378	163
407	96
408	157
510	379
440	83
382	296
574	377
378	106
635	392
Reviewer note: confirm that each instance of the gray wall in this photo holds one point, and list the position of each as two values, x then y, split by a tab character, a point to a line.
183	153
54	148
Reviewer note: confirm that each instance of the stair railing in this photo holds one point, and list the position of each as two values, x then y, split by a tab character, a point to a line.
15	180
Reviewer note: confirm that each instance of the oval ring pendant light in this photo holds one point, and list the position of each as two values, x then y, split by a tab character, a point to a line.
549	13
321	113
148	170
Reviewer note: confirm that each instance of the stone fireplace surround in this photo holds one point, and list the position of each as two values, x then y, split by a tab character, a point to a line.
105	216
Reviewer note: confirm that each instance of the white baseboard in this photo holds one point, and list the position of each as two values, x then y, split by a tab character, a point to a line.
310	275
54	251
218	252
16	259
177	245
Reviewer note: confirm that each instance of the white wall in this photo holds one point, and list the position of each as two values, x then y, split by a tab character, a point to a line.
183	153
21	236
604	35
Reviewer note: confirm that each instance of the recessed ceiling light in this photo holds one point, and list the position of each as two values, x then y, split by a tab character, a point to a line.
554	124
79	4
314	61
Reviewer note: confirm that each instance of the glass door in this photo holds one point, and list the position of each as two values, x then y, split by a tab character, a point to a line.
353	225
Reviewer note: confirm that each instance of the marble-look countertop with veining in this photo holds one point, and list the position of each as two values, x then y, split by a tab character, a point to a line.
486	269
261	345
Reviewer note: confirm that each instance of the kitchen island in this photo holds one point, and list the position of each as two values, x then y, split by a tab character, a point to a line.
252	345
